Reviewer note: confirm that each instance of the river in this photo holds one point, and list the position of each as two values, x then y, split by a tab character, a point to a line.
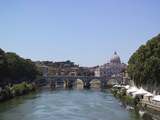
76	103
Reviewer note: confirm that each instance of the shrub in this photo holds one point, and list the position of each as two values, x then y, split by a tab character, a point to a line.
16	90
32	87
137	100
132	101
123	93
23	88
114	92
119	95
1	97
129	100
7	93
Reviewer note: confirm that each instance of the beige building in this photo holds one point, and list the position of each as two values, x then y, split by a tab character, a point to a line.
111	69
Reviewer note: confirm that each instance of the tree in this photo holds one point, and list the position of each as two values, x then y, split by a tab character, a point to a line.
39	71
16	69
58	71
144	64
79	73
3	65
123	70
67	71
51	70
152	71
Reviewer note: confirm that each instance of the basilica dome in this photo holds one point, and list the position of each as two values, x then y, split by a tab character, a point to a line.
115	59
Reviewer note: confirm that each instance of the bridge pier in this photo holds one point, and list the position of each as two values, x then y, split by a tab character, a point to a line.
103	84
52	83
69	84
86	84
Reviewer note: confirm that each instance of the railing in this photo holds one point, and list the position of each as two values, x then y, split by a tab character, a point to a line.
151	105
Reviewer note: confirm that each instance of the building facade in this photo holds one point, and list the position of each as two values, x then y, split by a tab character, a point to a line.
112	68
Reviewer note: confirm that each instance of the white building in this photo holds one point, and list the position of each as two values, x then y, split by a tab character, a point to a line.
111	69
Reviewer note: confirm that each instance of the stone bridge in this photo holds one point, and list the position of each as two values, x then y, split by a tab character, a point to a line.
69	80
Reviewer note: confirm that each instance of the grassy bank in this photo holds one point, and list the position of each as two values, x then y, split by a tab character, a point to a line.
17	90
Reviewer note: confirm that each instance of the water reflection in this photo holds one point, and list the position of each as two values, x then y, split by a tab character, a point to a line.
15	102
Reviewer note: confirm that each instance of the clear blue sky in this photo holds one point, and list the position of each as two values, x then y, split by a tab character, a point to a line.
84	31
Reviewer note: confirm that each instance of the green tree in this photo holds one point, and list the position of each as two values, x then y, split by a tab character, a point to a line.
123	70
3	65
79	73
7	93
16	90
39	71
67	71
13	67
51	70
144	64
58	71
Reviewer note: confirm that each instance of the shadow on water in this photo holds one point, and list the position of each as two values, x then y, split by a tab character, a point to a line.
16	101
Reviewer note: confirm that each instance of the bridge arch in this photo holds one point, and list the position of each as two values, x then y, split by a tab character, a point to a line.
60	80
95	82
113	81
78	81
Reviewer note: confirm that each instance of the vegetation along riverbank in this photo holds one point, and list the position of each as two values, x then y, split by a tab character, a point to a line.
17	90
128	100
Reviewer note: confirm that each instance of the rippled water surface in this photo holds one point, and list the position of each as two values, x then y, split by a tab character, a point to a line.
61	103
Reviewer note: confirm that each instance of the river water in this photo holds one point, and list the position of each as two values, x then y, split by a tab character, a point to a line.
76	103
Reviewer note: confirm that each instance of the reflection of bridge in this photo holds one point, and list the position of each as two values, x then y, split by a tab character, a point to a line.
69	80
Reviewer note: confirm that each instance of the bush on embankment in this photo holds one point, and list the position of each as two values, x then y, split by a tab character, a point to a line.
131	101
126	99
17	90
114	91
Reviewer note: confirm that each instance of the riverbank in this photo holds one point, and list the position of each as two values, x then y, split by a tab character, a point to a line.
18	90
134	102
150	105
128	100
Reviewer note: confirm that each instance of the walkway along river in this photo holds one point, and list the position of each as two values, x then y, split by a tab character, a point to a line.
62	103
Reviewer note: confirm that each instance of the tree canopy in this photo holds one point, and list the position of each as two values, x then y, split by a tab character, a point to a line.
62	64
14	68
3	64
144	64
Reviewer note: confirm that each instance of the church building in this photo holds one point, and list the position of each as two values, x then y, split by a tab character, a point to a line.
111	69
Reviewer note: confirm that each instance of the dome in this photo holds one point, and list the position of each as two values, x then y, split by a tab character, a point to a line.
115	59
